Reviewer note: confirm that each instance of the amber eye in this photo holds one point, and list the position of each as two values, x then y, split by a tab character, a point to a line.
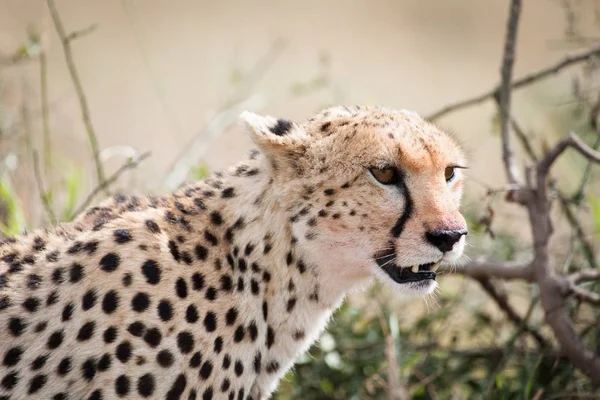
449	173
385	176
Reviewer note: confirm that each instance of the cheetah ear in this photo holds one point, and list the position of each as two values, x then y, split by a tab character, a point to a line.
275	137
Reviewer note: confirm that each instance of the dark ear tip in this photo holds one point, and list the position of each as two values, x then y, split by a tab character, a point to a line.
282	127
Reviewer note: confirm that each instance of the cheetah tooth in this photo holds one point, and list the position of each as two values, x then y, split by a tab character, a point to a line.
414	268
435	266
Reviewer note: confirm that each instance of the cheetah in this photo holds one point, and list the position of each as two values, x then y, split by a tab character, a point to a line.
212	292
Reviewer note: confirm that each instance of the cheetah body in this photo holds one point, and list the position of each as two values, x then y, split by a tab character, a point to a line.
214	290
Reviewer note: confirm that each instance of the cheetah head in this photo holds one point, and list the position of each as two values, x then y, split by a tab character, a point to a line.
369	192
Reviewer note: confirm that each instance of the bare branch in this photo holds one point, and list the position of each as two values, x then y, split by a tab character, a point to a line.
85	112
111	179
501	300
521	82
585	295
585	275
501	270
82	32
571	140
505	89
41	190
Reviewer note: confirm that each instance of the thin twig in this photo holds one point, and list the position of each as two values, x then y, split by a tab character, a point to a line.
570	140
519	83
505	90
585	275
81	32
85	112
45	113
578	232
41	190
501	300
109	181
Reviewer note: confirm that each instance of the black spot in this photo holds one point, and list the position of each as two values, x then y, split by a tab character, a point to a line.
165	310
68	312
329	192
228	192
192	395
174	249
181	288
140	302
241	394
208	393
185	342
211	293
146	385
329	203
110	302
57	275
325	126
95	395
225	385
151	271
201	252
153	337
230	261
13	356
301	266
152	226
16	326
298	335
88	369
197	281
218	344
122	386
110	334
110	262
266	276
127	279
196	360
238	368
254	287
86	331
226	361
10	380
104	362
252	328
273	366
52	256
291	303
210	238
4	303
205	370
136	328
123	351
265	310
346	185
289	259
210	321
122	236
64	367
186	257
31	304
270	337
239	334
89	299
91	247
164	358
282	127
177	388
199	203
336	216
191	314
226	282
39	362
216	218
52	298
36	383
33	281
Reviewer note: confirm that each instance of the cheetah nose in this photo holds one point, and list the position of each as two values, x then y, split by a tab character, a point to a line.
445	240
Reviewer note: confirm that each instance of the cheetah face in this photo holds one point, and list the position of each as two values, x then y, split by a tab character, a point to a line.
374	192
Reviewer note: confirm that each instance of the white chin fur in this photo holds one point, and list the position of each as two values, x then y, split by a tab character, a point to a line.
407	290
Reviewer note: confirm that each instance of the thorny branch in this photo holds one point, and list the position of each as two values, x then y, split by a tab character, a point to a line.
519	83
65	40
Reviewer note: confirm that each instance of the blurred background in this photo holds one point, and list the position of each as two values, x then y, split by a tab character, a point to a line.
170	78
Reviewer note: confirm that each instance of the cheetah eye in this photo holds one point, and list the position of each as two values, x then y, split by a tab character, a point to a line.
449	173
385	176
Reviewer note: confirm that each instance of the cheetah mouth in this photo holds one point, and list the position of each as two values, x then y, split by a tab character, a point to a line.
402	275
